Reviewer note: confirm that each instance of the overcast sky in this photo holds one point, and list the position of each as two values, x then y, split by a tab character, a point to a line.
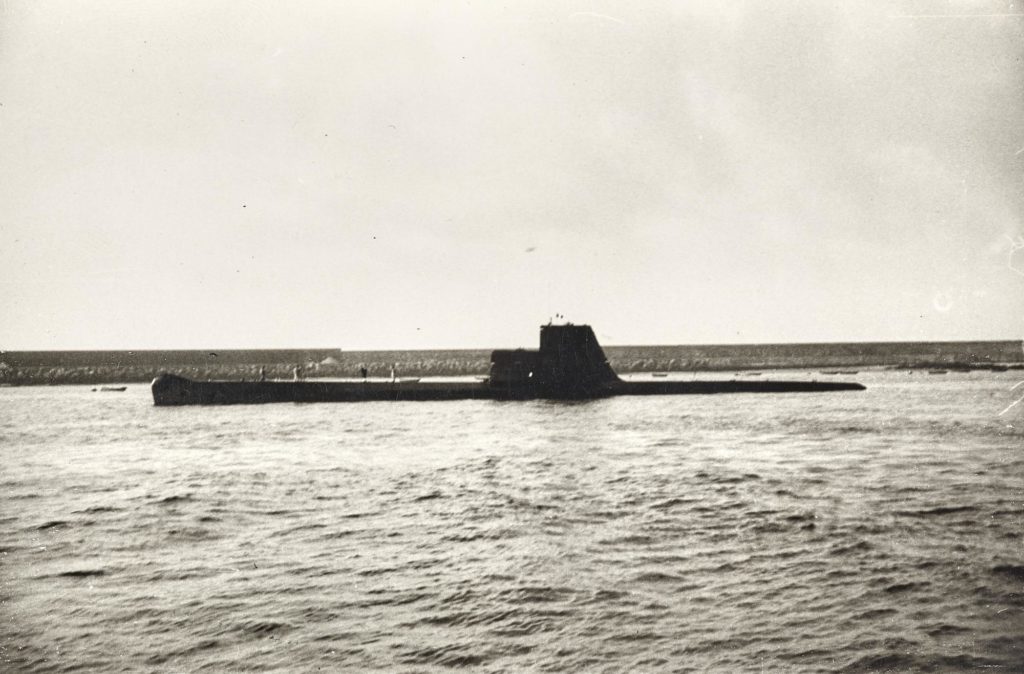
453	174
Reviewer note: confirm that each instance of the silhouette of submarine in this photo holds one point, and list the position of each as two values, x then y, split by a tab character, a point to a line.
570	365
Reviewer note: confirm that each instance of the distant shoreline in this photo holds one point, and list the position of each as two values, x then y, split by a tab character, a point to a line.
18	368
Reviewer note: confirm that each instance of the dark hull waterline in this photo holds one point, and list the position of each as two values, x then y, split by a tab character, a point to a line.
570	365
174	390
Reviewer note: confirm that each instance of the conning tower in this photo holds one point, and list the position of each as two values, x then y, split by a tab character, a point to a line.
569	364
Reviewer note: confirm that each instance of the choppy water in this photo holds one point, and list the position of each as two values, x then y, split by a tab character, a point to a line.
866	531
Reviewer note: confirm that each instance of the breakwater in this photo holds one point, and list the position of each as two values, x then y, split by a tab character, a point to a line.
99	367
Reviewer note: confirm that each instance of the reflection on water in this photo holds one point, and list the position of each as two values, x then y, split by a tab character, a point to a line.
870	531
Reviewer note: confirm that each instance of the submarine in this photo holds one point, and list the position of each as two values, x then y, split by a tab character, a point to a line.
569	365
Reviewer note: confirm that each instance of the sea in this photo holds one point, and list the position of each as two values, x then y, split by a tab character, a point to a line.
871	531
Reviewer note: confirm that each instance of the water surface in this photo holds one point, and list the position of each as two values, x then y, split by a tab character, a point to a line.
863	531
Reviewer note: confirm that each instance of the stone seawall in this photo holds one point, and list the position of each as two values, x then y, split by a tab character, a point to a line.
43	368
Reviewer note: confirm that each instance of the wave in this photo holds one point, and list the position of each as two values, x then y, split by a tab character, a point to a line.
927	662
905	587
454	655
940	510
175	498
657	577
77	573
1012	571
52	524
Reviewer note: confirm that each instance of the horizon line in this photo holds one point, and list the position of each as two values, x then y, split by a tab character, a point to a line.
484	348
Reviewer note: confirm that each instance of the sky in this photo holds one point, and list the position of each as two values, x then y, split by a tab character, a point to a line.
413	174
